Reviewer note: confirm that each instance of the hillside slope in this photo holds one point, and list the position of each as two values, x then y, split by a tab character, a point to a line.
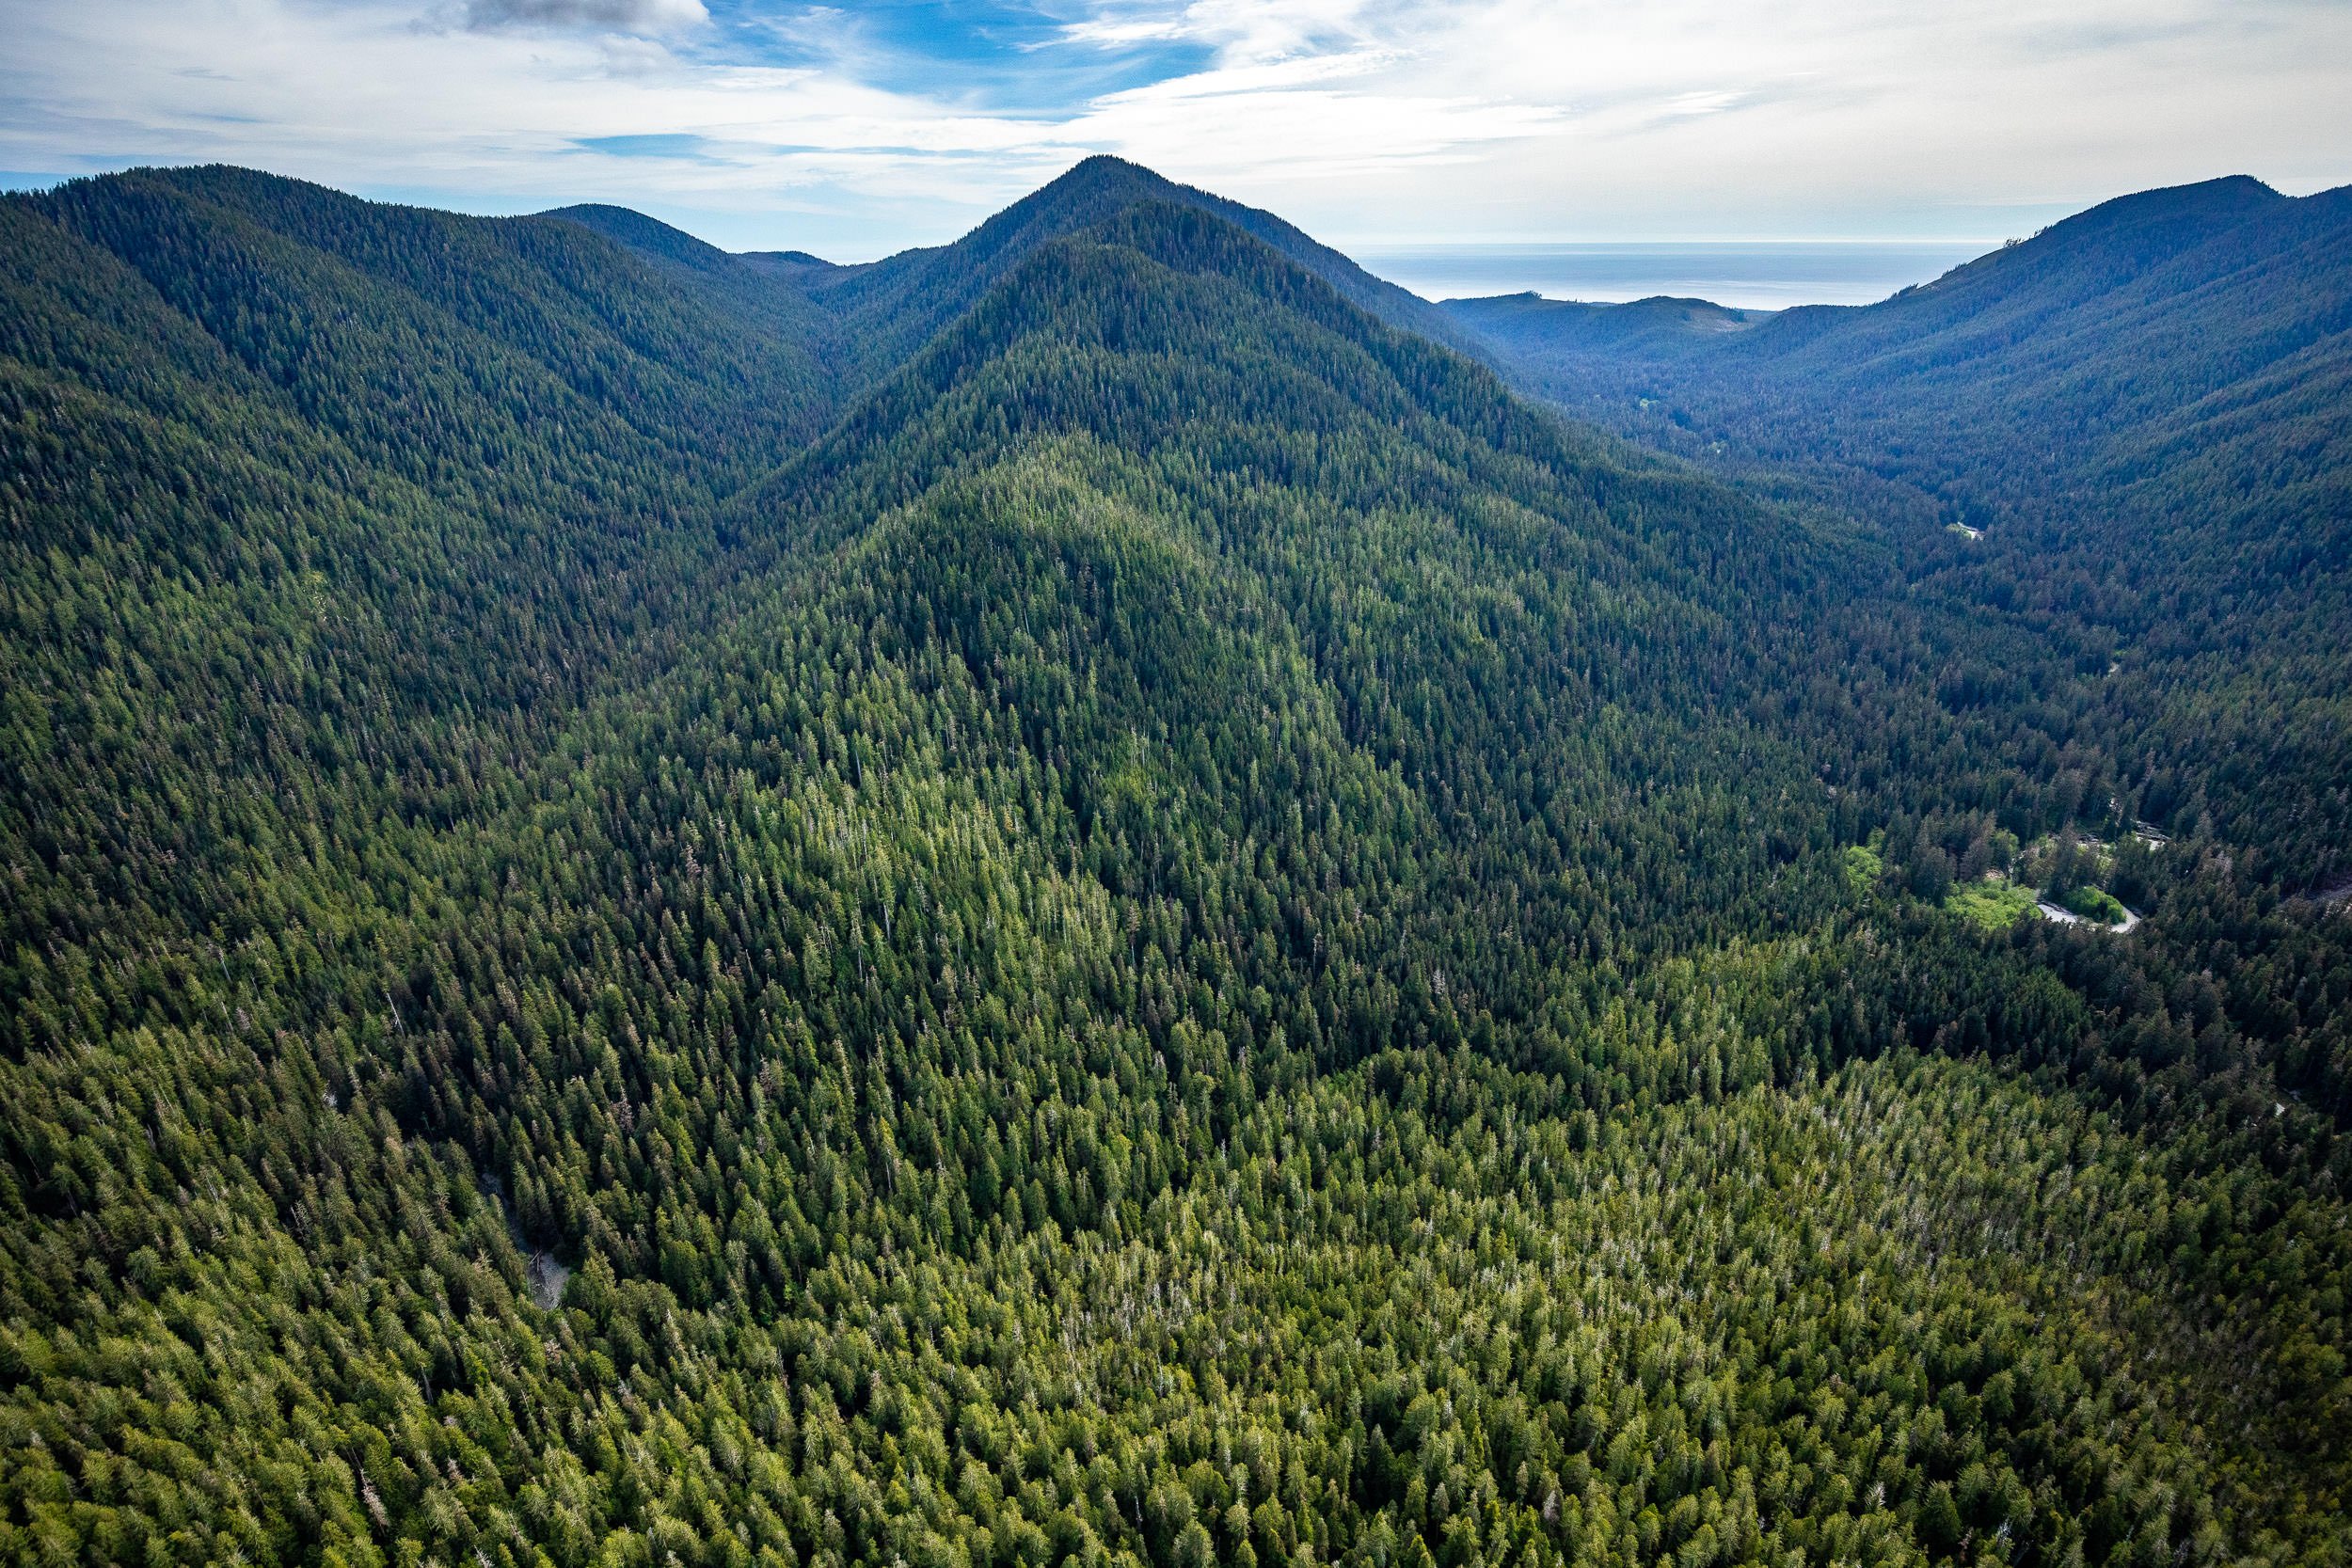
1176	932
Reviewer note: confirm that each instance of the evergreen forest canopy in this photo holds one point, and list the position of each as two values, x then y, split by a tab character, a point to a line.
1085	897
2132	430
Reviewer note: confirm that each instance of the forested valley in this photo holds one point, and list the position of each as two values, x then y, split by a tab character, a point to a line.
2124	438
1087	897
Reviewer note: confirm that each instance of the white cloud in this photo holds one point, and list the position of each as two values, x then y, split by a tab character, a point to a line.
1701	103
1113	34
1361	118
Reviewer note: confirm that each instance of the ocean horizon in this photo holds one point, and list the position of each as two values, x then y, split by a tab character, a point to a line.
1751	274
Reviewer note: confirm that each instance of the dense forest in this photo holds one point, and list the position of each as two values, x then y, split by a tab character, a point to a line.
1084	898
2125	434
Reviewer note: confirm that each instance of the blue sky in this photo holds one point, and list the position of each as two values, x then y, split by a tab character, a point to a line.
856	128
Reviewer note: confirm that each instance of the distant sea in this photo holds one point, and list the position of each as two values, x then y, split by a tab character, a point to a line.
1753	276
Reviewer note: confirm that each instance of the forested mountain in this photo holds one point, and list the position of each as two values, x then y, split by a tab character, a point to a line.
2146	413
884	312
1066	899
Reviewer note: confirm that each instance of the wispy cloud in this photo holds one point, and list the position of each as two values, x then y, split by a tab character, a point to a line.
1110	33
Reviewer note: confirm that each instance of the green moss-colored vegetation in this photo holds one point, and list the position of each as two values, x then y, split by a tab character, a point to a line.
2095	904
1994	903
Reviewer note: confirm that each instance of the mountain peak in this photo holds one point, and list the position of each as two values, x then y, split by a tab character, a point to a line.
2227	198
1103	171
1086	192
923	289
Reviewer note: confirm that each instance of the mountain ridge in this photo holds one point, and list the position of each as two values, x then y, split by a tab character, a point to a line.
2160	226
873	296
